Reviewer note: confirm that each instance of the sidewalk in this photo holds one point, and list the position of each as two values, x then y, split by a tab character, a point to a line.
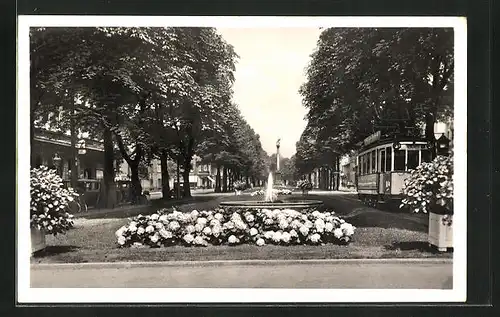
398	274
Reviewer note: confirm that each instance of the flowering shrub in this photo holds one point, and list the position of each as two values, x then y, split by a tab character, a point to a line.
49	201
430	187
215	227
304	184
238	185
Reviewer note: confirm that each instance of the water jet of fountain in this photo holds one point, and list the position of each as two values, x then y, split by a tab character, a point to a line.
269	189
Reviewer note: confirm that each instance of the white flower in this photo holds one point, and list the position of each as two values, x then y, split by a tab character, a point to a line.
214	222
199	241
315	237
140	230
315	214
295	224
338	233
304	230
216	230
277	236
132	228
207	230
150	229
269	234
285	237
120	231
253	231
121	240
190	229
133	223
347	228
320	225
283	224
240	225
188	238
228	225
159	225
249	218
202	221
232	239
268	221
155	217
199	227
218	216
293	233
173	225
166	234
304	217
194	213
154	238
260	242
163	218
329	227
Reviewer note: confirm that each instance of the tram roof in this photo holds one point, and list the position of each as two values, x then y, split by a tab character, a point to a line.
390	140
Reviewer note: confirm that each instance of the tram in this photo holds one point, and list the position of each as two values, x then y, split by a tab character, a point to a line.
383	165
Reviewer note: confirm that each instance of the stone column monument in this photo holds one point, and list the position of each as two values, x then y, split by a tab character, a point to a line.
277	175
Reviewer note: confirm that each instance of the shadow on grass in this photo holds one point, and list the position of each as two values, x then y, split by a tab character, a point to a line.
421	246
388	221
55	250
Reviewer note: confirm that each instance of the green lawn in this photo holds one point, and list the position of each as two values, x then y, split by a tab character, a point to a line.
378	235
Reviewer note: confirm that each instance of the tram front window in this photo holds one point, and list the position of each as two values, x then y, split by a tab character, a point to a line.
412	160
399	160
426	156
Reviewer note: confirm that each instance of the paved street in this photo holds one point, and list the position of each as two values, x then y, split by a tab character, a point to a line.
430	274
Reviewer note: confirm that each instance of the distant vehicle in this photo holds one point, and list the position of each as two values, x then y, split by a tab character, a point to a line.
383	165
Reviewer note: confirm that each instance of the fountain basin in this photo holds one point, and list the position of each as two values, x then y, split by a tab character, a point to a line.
296	204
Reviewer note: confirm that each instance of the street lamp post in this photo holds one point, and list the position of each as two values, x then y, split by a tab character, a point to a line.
57	163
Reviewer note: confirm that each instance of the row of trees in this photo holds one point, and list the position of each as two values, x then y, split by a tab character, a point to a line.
146	93
360	80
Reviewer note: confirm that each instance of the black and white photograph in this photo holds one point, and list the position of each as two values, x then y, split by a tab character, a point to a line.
229	159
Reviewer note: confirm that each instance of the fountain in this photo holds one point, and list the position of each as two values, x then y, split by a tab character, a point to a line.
271	202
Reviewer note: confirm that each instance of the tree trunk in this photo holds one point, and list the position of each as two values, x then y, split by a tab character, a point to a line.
135	183
165	177
109	190
74	162
224	179
218	188
337	174
177	191
429	133
185	176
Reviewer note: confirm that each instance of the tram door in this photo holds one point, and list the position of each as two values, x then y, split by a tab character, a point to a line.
382	169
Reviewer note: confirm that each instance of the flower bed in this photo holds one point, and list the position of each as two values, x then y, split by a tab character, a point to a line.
216	227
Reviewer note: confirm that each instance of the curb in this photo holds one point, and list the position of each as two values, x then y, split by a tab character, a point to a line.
117	265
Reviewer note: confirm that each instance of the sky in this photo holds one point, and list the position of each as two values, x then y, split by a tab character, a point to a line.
268	75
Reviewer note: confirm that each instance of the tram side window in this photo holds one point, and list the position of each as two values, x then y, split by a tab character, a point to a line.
412	160
388	159
399	160
383	163
364	165
374	160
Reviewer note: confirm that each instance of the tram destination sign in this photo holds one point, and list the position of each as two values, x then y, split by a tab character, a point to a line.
372	138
